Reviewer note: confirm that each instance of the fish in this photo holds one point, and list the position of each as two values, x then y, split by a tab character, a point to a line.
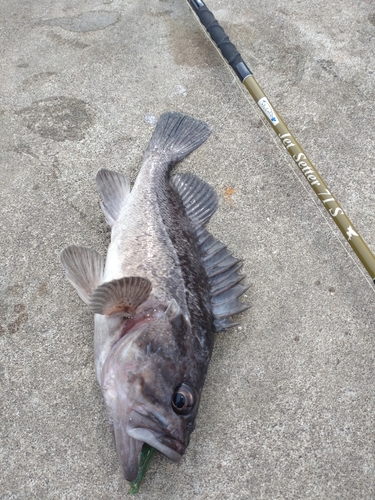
166	288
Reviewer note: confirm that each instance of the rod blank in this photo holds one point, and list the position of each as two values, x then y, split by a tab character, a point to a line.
306	167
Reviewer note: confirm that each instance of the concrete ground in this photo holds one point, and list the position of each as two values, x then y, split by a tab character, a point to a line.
288	406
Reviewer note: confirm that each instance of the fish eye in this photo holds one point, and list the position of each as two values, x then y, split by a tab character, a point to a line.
183	399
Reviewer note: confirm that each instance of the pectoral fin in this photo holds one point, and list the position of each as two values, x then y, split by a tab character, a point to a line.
121	296
84	269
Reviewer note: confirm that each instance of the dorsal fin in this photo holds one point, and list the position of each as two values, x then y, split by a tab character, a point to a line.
222	271
84	269
198	197
121	296
113	188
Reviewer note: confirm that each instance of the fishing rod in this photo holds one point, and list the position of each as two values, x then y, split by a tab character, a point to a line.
312	176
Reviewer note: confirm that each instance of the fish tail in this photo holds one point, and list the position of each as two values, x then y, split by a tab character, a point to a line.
176	135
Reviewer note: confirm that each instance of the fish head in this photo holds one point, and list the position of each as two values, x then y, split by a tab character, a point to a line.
151	386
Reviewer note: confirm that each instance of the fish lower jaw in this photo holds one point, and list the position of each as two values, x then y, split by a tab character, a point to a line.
147	436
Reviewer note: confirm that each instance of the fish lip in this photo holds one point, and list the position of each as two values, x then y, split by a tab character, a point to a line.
140	429
129	453
149	437
149	429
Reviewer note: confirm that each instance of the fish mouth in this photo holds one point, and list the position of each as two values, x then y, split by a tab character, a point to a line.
138	430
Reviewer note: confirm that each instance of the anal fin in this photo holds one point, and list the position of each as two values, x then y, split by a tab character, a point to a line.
121	297
84	269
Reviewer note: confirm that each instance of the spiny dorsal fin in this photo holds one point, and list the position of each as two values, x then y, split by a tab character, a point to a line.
121	296
113	188
199	198
84	269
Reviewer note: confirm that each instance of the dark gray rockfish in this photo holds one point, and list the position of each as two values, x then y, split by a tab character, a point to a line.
166	287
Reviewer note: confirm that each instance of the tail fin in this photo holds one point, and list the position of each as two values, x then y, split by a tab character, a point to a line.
177	135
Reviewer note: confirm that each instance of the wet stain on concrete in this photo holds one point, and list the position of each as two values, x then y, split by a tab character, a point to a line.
59	118
12	316
161	14
294	59
191	48
20	320
24	149
60	40
13	290
87	21
38	78
328	65
78	210
42	289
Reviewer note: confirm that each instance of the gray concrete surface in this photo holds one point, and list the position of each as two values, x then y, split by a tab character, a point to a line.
288	407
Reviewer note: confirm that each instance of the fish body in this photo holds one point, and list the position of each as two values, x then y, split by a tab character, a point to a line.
166	287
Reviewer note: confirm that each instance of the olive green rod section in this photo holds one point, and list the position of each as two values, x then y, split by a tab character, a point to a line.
313	178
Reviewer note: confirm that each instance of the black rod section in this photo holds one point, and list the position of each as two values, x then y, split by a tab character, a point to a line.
221	39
